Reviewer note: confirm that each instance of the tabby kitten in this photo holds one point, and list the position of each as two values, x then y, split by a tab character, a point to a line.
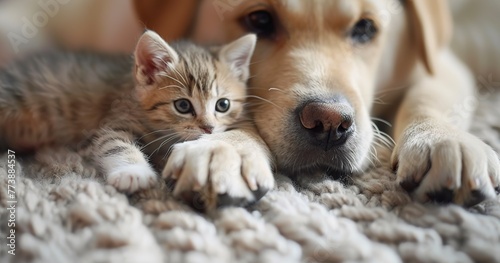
118	110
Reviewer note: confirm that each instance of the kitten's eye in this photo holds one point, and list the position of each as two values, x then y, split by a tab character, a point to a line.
364	31
222	105
261	23
183	106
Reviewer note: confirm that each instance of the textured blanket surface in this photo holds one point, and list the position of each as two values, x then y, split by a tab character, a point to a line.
66	214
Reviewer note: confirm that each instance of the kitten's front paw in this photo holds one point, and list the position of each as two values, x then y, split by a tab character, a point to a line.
214	173
132	177
439	163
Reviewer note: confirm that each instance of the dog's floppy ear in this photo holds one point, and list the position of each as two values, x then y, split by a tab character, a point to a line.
171	19
432	28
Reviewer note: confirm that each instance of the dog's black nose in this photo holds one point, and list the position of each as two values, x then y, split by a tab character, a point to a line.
328	123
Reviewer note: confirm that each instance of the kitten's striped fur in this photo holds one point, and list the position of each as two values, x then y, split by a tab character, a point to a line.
117	113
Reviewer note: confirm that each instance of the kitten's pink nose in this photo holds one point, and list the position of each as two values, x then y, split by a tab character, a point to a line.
208	129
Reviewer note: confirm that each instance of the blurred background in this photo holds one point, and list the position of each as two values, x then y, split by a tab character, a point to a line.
115	25
104	25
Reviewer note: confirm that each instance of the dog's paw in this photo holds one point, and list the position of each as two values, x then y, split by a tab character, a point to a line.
437	163
132	177
208	174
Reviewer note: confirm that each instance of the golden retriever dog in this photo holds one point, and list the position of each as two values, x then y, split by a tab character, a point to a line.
320	70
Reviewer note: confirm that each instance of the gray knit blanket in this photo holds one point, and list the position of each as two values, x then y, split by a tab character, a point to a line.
65	213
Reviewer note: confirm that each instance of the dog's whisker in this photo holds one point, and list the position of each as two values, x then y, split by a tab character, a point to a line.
374	160
379	96
385	91
276	89
382	136
266	89
379	101
383	142
253	76
374	155
382	121
386	139
257	62
265	100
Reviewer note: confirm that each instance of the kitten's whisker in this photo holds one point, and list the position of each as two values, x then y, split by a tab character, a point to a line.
158	139
174	79
176	71
172	86
157	131
163	143
171	148
180	75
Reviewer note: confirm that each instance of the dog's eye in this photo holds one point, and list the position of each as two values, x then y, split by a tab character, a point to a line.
260	23
364	31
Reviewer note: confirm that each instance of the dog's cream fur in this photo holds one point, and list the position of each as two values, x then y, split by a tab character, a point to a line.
407	75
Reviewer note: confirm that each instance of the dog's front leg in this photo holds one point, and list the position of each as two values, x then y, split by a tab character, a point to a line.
435	157
229	168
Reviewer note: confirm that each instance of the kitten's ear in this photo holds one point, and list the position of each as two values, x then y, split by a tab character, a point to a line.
238	55
152	56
